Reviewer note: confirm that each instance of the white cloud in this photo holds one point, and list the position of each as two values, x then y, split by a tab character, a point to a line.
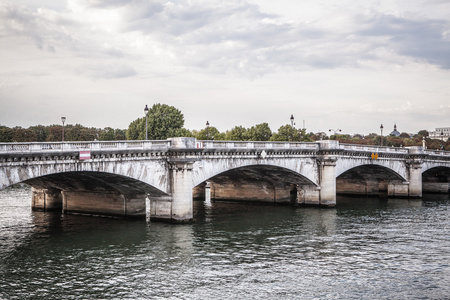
354	58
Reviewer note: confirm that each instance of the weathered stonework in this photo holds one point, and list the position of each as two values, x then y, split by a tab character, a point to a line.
118	176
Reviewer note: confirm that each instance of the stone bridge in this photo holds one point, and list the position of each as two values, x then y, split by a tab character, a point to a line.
116	177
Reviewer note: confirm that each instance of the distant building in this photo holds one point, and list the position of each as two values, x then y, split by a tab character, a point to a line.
395	132
442	133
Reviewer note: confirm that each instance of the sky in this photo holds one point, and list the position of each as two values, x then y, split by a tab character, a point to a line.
349	65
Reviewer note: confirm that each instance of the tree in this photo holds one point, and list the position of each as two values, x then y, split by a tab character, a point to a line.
259	132
210	133
23	135
54	133
79	133
238	133
163	121
120	134
134	129
6	134
107	134
404	135
423	133
286	133
183	132
41	132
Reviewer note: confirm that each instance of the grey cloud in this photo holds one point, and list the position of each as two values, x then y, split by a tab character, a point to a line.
109	71
42	28
421	39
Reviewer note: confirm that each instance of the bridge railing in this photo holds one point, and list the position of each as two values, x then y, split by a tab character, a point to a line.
438	152
77	146
257	145
375	149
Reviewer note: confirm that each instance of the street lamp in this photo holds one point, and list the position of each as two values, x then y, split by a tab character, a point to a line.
63	119
207	130
146	123
292	128
337	130
381	128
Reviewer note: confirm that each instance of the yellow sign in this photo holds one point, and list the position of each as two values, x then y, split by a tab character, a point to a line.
374	155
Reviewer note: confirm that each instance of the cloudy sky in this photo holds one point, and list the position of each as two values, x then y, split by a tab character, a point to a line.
345	64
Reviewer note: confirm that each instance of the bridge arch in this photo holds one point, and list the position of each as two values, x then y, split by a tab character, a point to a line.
257	182
345	164
371	179
209	168
436	180
92	181
150	172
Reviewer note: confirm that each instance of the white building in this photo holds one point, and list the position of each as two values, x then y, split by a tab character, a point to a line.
442	133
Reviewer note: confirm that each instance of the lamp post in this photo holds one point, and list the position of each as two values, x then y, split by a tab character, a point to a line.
146	123
442	140
207	130
337	130
63	119
381	129
292	127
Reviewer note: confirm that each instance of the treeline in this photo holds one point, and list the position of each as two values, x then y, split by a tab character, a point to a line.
53	133
403	140
164	121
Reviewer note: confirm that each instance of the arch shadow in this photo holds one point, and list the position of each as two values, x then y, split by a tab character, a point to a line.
254	183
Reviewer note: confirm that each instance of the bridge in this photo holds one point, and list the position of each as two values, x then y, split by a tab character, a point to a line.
117	177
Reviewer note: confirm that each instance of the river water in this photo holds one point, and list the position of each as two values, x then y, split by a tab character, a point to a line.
365	248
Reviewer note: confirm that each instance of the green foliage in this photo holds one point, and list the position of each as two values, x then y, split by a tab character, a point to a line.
23	135
6	134
163	121
120	134
210	133
286	133
41	132
423	133
404	135
54	133
182	132
80	133
135	128
237	133
259	132
107	134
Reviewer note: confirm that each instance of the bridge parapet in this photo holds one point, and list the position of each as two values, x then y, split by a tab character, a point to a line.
258	145
445	154
374	149
18	148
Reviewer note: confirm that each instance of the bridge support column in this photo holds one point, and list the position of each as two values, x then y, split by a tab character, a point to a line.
104	203
415	178
308	195
327	176
181	188
46	199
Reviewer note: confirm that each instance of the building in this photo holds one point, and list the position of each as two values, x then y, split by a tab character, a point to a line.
395	132
441	133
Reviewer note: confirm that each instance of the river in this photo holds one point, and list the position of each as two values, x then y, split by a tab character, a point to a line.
365	248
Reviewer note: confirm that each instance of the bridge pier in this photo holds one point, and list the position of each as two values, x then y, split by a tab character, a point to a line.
308	195
415	180
181	188
327	176
46	199
104	203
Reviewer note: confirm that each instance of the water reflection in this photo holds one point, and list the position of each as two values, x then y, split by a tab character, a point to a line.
364	248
